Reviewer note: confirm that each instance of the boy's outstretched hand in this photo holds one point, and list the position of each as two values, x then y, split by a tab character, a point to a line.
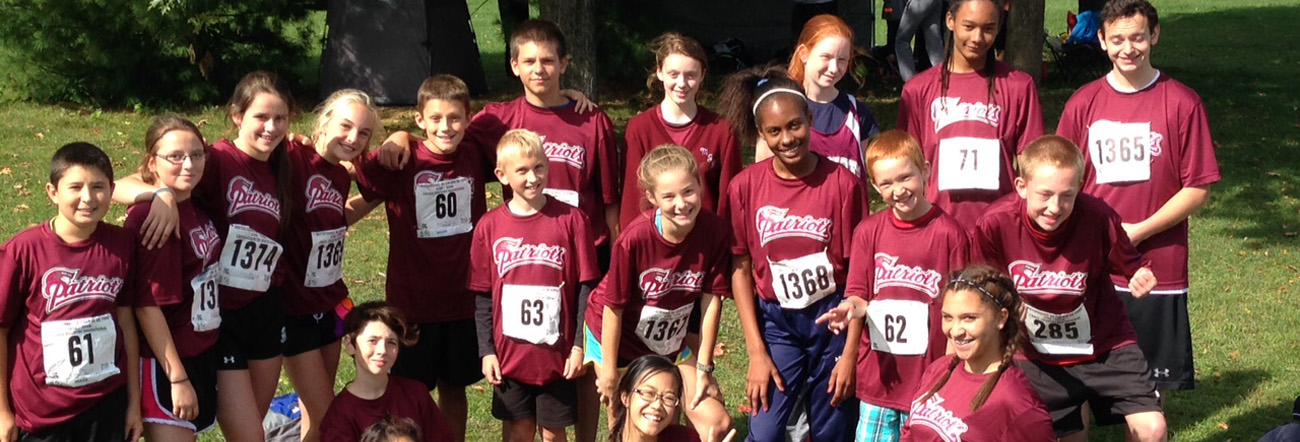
838	318
1142	282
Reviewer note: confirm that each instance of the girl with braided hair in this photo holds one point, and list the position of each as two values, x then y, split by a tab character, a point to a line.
972	114
979	394
668	262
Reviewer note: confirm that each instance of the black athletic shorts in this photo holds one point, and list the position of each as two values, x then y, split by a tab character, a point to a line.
1165	335
252	332
446	352
309	332
554	405
1114	385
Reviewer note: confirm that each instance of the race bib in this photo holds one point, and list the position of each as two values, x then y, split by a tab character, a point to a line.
79	351
899	327
531	313
325	264
969	163
443	207
663	330
205	308
1119	151
800	282
569	197
248	259
849	163
1059	334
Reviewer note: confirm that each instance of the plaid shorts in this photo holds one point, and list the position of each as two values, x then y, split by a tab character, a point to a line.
879	424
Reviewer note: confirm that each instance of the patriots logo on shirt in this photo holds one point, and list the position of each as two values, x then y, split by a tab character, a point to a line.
512	252
948	110
933	414
320	194
708	157
774	222
427	177
62	286
1031	279
572	154
204	239
889	273
657	282
243	197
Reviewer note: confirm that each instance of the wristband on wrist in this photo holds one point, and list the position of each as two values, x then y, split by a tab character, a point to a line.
180	381
163	190
707	368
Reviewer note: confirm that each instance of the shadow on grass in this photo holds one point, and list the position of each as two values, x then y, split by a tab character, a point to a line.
1184	410
1252	100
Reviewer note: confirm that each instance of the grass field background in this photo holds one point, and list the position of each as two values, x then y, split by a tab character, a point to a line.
1237	54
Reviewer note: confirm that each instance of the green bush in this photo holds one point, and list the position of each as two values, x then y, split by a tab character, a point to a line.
129	52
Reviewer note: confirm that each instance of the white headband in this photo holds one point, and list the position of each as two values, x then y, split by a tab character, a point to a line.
774	91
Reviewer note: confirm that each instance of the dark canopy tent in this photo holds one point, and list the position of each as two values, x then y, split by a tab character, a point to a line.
383	47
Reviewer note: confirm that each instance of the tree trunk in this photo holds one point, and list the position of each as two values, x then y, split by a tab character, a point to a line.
1025	37
577	20
452	46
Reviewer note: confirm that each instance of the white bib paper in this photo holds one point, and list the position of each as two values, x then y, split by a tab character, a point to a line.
1120	151
79	351
663	330
442	208
325	264
570	197
800	282
531	313
205	308
969	163
899	327
1059	334
248	259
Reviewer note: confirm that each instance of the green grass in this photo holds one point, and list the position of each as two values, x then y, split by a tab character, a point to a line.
1244	274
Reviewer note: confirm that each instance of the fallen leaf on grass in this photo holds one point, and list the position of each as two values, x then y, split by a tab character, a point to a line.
40	135
719	350
1292	268
744	409
1235	354
1288	234
478	387
5	171
1273	174
21	208
1223	425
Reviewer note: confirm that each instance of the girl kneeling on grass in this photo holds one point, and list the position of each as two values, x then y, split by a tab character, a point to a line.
374	332
979	394
666	261
649	396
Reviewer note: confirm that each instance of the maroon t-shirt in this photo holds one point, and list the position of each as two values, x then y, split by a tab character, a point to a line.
678	433
433	204
239	193
1142	148
970	139
799	226
533	266
349	416
582	149
1072	310
901	267
708	137
169	276
313	255
1012	411
59	302
656	283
